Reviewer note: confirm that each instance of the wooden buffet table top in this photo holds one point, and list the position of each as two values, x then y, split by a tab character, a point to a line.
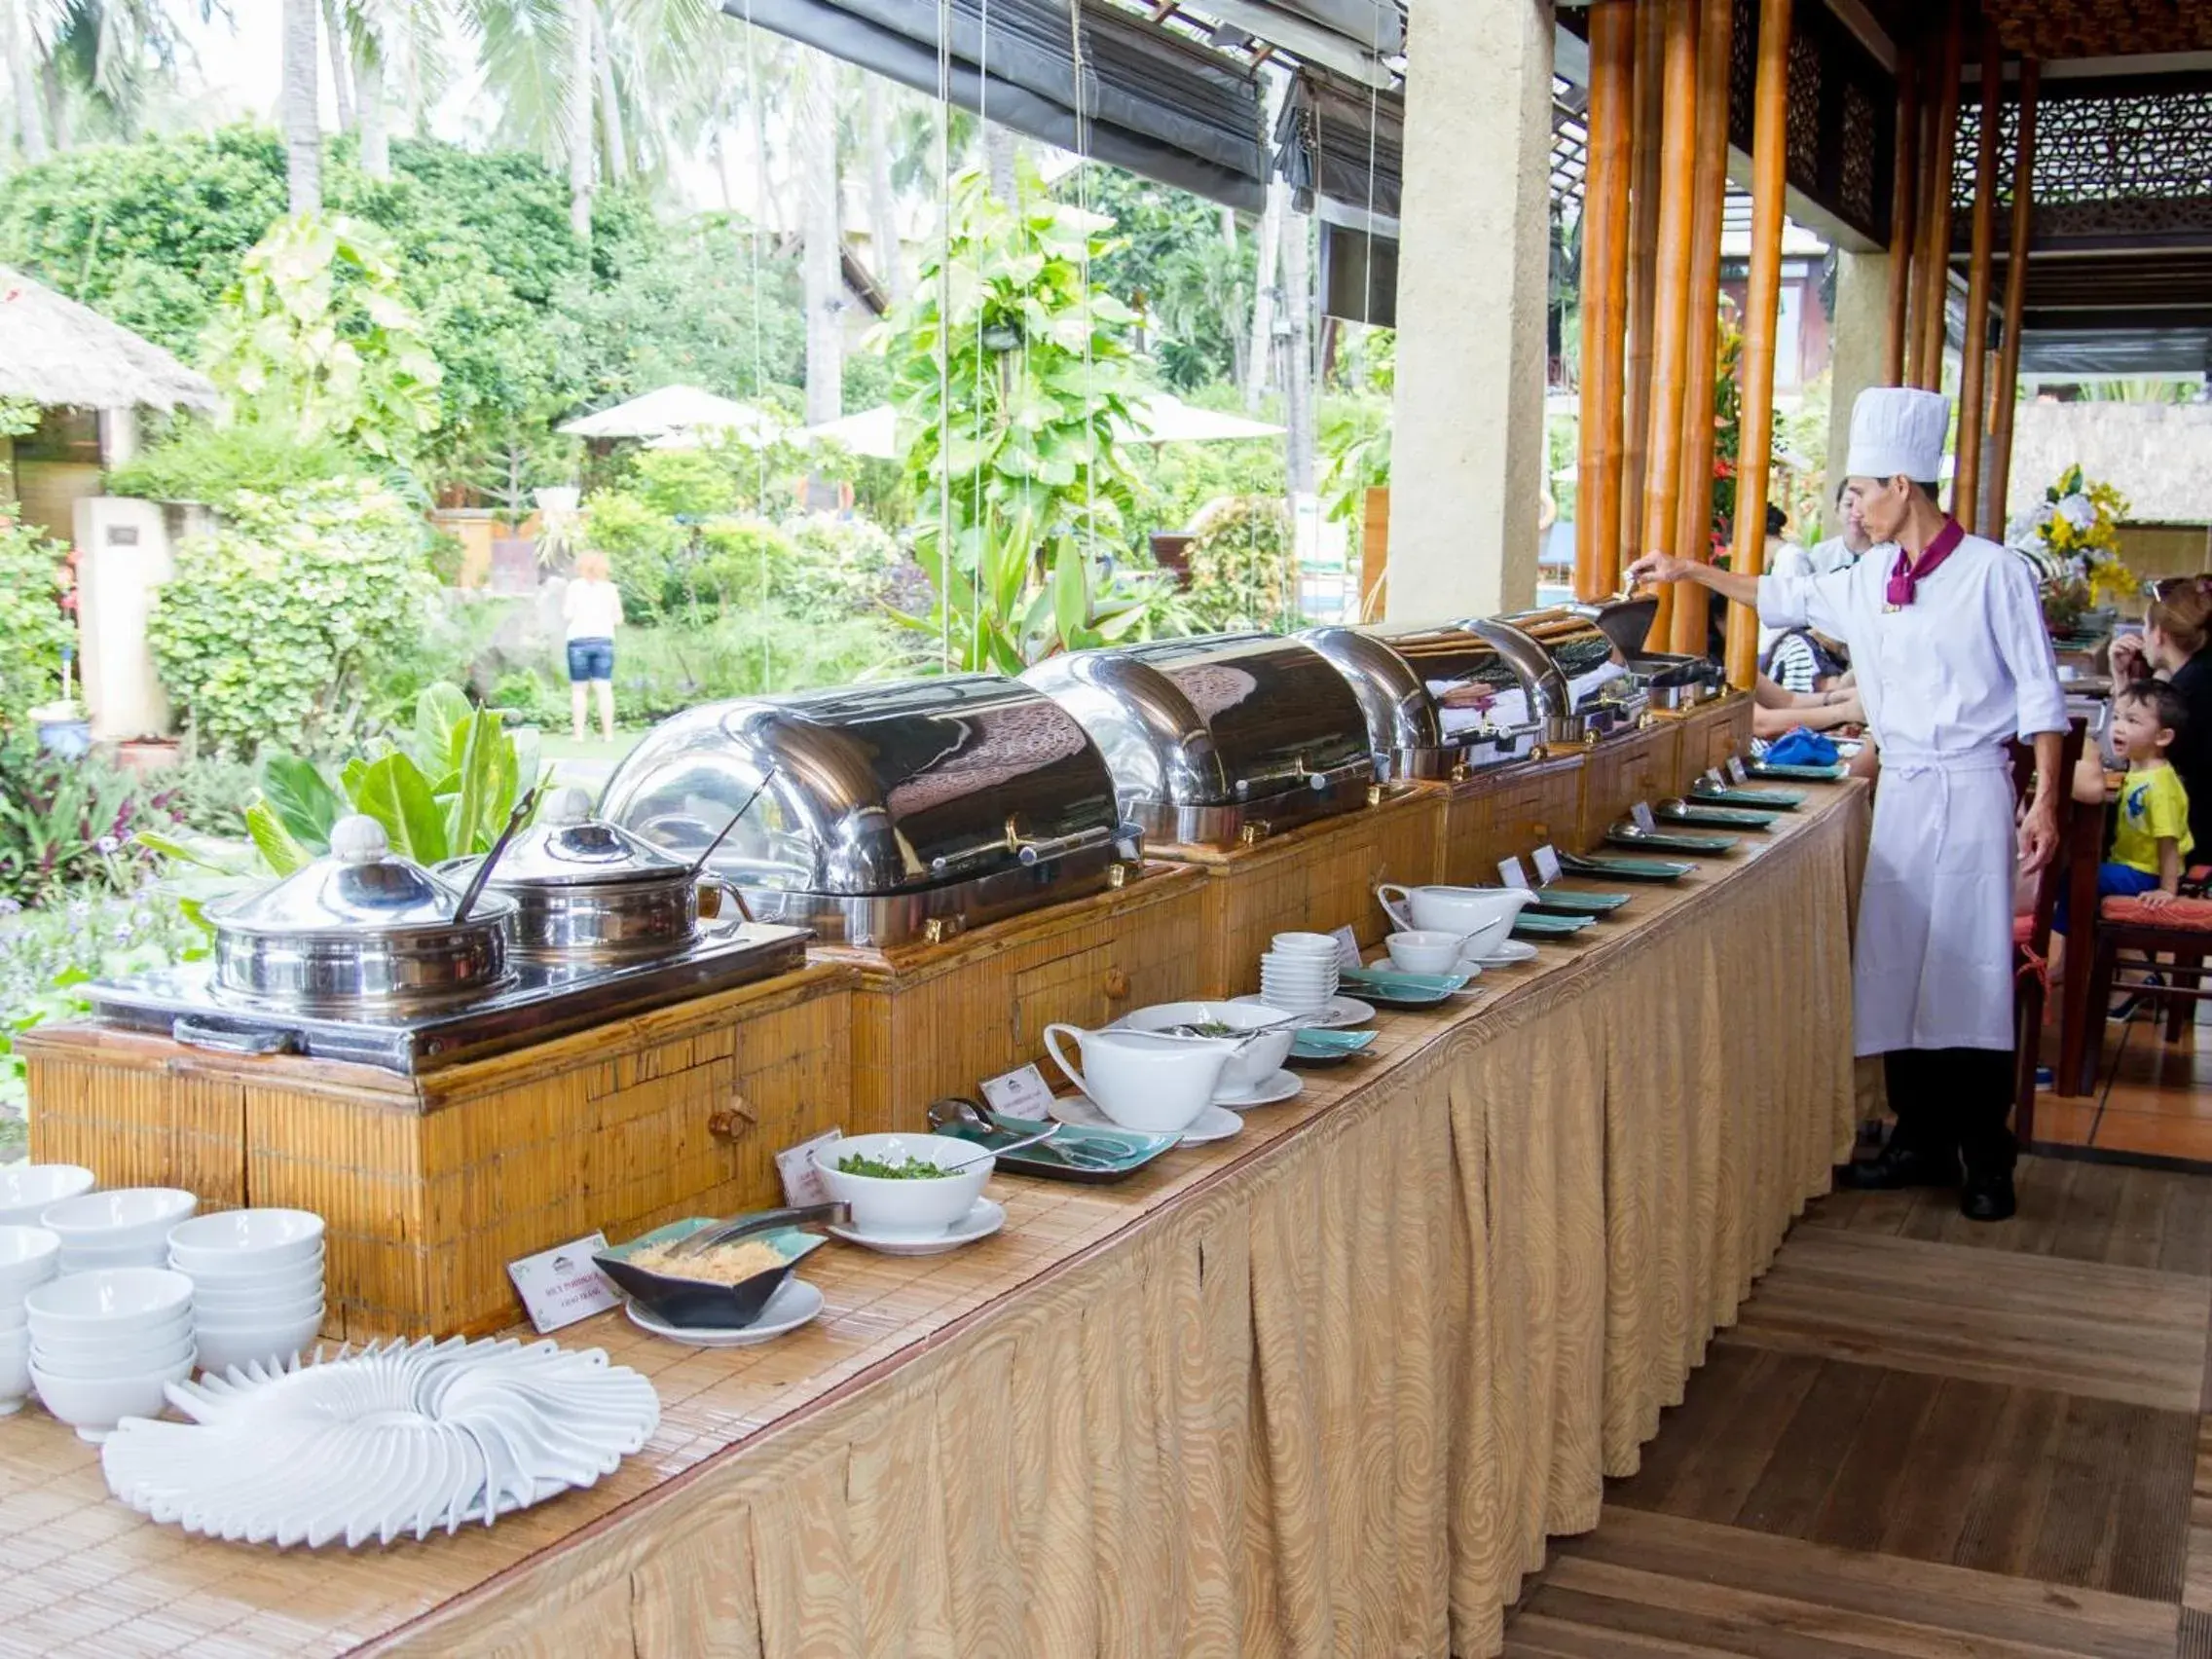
81	1574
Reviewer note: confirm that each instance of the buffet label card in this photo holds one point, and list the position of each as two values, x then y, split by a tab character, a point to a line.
1640	812
1348	946
802	1182
1712	776
1510	872
1547	864
1021	1092
1736	772
562	1285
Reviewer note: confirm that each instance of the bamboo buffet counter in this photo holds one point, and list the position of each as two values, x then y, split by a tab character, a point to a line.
1325	1386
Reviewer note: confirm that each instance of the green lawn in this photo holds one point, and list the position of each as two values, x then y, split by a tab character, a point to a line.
588	763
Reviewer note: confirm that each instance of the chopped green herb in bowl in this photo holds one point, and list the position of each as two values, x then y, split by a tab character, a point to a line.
905	1170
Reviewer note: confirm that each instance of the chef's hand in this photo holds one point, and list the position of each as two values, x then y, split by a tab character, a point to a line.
2128	661
1659	567
2039	836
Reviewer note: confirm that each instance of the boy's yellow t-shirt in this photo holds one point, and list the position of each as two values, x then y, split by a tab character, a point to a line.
2152	807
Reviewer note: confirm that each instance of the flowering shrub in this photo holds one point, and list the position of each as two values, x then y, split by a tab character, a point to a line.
2073	537
33	629
69	824
273	624
1242	575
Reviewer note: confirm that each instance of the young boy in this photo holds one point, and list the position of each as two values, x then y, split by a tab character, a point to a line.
2151	841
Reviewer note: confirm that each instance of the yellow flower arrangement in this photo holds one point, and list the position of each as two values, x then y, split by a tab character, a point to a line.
2079	525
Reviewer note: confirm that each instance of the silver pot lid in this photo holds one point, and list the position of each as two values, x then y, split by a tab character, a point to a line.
361	886
568	847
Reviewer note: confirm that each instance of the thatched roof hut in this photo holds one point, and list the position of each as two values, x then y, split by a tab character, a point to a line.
65	355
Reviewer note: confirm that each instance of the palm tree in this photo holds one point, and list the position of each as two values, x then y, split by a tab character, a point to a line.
109	54
577	105
298	101
814	122
882	198
21	51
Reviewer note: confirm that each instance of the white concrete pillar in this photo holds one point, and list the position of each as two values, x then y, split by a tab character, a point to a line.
118	437
1467	461
1857	333
124	555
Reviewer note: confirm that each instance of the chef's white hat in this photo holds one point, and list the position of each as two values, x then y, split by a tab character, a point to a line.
1898	431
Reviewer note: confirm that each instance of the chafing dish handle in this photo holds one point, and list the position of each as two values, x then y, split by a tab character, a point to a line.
1031	853
1320	783
199	1034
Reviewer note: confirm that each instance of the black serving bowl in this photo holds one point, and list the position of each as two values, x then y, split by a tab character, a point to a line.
696	1304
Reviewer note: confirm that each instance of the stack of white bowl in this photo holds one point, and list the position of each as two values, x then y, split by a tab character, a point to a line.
26	1189
29	1256
128	1227
256	1284
1299	972
105	1343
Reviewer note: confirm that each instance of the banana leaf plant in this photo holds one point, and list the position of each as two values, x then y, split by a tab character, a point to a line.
445	793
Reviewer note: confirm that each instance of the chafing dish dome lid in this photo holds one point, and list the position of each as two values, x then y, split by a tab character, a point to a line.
876	789
1425	688
1216	720
360	887
568	847
1586	656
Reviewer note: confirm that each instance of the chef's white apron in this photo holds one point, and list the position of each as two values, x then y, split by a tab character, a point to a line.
1934	961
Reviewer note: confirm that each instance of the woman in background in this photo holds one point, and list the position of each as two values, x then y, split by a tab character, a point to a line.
2172	645
592	610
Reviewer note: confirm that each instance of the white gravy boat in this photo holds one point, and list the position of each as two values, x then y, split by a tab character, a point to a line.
1151	1084
1485	914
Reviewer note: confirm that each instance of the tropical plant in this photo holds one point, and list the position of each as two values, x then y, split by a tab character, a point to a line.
345	361
207	460
1194	264
1011	368
34	632
68	823
273	624
1242	570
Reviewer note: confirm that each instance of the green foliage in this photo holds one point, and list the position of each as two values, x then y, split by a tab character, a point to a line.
33	630
644	552
1172	257
1176	480
691	483
203	460
659	671
1243	573
837	565
1355	445
209	795
69	824
335	360
273	624
20	415
1011	371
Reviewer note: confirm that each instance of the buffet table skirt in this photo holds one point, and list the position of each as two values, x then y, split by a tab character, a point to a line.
1323	1388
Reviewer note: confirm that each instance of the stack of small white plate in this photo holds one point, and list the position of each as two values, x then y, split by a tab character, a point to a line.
256	1284
29	1257
128	1227
1299	975
26	1189
105	1343
400	1440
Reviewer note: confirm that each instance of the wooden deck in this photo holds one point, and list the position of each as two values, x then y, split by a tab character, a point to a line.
1930	1438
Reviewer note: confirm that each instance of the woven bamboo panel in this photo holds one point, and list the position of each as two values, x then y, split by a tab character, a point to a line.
1506	813
1709	734
430	1186
936	1019
1620	771
1317	877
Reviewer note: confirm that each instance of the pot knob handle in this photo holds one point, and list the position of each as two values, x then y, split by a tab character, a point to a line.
568	804
358	838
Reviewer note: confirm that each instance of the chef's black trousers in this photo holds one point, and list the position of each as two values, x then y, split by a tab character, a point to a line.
1953	1103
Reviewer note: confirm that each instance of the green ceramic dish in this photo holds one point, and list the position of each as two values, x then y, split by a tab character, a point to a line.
1388	987
1665	842
1534	924
1763	801
1318	1046
1802	774
1565	901
1109	1155
1711	816
1618	869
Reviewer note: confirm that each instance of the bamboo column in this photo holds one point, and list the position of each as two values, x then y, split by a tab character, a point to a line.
1693	531
1770	151
1904	185
1973	348
1642	261
2008	386
1936	283
1605	297
1670	284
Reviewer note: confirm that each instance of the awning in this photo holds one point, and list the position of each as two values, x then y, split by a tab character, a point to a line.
1150	101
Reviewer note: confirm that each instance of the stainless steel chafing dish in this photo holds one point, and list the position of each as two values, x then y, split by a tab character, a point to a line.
1668	681
892	812
1595	689
1220	739
1440	701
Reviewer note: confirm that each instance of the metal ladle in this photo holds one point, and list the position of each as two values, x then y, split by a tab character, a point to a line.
475	888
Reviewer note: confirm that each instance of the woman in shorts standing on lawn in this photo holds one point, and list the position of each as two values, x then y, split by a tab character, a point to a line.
591	609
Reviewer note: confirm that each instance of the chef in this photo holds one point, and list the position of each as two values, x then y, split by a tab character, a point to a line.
1953	660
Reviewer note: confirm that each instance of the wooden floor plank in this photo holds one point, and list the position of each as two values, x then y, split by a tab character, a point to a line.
1882	1468
1814	1451
2196	1580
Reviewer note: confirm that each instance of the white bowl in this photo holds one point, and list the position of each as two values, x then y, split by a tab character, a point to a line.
14	1336
1312	966
1251	1065
29	1256
1310	944
127	1217
134	1363
139	1339
1426	950
14	1317
239	1278
210	1295
904	1209
110	1302
244	1242
26	1189
92	1406
226	1317
271	1344
85	1258
14	1378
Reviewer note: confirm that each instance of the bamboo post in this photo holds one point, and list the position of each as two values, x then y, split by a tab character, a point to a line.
1936	283
1905	184
2008	388
1642	259
1373	554
1605	297
1770	150
1973	348
1669	326
1693	532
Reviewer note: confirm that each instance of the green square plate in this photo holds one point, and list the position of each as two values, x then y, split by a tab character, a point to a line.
1108	1154
1625	835
1388	987
1834	774
1617	869
1761	800
1566	902
1534	924
1699	813
1318	1046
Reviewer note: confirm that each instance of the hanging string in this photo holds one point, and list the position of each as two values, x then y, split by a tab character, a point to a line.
759	361
1083	260
945	329
1367	263
976	504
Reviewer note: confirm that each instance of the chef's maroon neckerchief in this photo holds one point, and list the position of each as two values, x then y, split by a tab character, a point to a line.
1905	580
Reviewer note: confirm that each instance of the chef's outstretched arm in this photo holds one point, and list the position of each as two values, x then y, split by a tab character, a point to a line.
1666	567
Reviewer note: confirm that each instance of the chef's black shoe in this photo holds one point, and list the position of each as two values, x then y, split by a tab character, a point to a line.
1988	1196
1896	1168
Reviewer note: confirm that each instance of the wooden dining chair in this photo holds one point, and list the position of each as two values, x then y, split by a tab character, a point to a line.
2031	933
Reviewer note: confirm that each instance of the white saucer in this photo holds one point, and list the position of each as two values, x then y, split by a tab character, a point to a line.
1505	955
1337	1014
794	1302
1214	1124
983	1220
1284	1085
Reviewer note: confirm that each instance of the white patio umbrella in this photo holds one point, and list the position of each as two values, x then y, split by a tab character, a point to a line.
682	412
1162	419
871	432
